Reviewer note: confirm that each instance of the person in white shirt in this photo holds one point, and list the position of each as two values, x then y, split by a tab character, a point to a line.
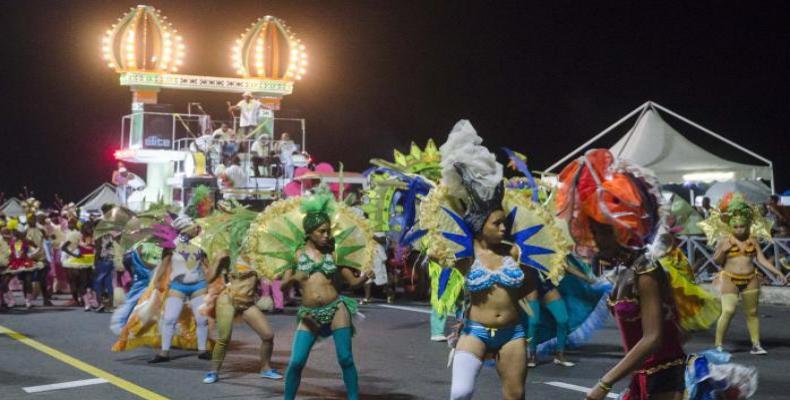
204	142
235	175
286	148
205	145
249	109
260	154
120	179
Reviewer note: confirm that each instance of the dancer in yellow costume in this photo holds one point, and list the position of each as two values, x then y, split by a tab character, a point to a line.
735	227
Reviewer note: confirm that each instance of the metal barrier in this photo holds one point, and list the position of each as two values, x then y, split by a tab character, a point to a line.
700	255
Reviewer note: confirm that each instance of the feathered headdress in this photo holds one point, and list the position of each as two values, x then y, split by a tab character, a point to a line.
472	174
599	187
201	203
733	209
317	209
31	205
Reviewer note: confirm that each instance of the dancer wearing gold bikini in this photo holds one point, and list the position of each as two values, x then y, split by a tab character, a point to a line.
741	225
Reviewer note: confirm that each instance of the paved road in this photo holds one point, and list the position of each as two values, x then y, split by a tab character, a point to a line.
392	351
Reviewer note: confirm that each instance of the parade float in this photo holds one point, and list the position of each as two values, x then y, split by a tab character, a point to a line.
147	52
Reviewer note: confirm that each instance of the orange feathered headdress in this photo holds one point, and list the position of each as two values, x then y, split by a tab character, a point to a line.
599	187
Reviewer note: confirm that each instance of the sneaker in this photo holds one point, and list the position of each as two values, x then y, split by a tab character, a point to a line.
564	363
757	350
531	362
28	305
438	338
158	359
720	349
206	355
271	374
211	377
99	309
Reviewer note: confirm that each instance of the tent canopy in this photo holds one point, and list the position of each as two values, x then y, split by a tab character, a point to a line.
104	194
12	208
652	143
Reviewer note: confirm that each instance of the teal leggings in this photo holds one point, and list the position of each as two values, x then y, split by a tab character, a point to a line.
303	343
559	311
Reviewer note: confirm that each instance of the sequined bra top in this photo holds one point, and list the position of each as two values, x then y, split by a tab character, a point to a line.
307	265
481	278
748	250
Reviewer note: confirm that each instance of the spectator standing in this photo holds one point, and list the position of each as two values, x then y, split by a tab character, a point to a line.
120	179
286	148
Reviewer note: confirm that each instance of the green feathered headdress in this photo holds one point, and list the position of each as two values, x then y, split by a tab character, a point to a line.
201	203
225	230
738	210
317	209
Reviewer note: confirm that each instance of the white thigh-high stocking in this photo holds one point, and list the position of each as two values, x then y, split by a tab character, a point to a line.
201	321
466	367
173	307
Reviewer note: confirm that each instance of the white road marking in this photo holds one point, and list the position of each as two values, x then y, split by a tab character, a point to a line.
64	385
403	308
577	388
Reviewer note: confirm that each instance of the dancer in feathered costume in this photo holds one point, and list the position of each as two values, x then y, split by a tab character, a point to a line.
181	275
469	218
141	256
109	257
224	239
311	241
565	313
396	192
734	228
27	253
78	253
613	206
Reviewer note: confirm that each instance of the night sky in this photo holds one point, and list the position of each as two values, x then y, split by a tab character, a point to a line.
540	77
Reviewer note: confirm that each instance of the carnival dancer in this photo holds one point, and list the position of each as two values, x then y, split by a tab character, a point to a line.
107	233
613	206
734	228
23	261
223	240
137	321
326	239
78	257
494	269
55	239
39	235
184	268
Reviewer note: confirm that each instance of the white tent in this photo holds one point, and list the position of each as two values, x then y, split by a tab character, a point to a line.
104	194
652	143
12	207
755	191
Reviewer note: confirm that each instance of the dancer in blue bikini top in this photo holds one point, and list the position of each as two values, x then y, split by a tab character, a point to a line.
472	211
